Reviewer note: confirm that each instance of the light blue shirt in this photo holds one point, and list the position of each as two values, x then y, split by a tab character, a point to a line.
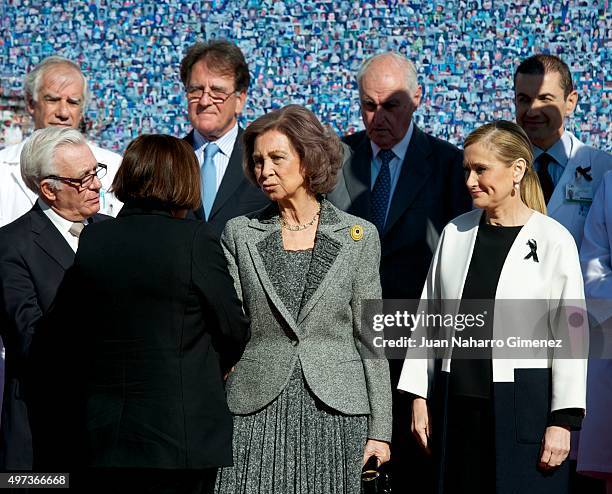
226	146
561	151
395	166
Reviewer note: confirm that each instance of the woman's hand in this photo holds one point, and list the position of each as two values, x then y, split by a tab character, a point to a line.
555	447
380	449
228	373
420	422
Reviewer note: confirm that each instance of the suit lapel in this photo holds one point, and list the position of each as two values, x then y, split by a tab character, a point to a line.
413	176
266	283
232	178
358	177
49	239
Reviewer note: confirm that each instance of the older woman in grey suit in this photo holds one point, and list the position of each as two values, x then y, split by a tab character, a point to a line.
308	409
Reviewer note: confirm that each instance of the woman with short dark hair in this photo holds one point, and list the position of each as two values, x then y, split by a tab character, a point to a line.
159	325
309	408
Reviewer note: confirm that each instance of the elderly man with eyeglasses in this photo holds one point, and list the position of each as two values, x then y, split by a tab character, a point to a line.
56	95
58	166
216	79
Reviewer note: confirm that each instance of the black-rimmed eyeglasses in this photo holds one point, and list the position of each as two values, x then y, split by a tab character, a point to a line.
84	182
195	93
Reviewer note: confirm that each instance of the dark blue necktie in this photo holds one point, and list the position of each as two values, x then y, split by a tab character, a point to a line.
382	190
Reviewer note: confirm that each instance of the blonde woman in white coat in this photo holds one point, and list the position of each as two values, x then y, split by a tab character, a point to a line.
501	425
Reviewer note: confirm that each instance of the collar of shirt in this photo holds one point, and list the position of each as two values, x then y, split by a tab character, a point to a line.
62	224
560	150
395	165
225	142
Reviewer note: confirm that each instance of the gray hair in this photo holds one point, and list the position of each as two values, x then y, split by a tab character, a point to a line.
38	154
33	79
400	60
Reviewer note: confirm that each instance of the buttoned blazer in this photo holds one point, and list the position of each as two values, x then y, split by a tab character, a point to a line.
572	215
34	257
430	192
17	199
236	195
555	277
325	338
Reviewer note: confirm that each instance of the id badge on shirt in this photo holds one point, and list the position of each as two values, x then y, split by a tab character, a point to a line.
580	189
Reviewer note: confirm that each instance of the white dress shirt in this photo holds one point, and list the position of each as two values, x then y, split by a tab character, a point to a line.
62	224
395	165
560	151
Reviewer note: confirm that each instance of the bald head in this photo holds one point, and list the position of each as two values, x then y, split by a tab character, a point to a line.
390	61
389	95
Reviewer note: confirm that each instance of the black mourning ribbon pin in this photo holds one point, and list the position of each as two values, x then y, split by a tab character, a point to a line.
585	172
533	246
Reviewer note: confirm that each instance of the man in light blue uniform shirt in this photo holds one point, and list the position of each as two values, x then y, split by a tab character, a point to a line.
569	170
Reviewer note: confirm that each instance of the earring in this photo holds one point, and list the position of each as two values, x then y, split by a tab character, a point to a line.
515	189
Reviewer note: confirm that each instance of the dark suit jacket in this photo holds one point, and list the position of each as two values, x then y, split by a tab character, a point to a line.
430	192
34	257
236	195
145	361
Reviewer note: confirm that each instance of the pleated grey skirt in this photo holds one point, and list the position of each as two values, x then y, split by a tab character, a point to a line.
296	445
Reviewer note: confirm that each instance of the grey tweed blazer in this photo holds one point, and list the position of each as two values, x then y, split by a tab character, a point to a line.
325	336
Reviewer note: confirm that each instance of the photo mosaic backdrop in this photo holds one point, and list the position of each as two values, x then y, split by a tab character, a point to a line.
306	53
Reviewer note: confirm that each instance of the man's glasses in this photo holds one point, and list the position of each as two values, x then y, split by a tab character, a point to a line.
195	93
84	182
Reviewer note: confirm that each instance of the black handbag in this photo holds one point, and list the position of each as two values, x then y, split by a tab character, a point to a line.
375	478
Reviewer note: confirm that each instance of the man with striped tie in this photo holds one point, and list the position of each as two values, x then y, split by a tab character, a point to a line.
216	79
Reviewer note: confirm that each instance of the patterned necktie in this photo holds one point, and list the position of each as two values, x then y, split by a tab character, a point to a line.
544	175
382	190
208	175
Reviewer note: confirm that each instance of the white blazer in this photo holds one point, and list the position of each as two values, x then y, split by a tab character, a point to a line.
572	215
16	199
556	277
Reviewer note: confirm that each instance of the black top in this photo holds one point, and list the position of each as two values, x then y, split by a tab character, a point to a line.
472	377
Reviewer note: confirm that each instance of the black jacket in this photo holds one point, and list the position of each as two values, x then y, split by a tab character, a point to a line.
159	324
34	257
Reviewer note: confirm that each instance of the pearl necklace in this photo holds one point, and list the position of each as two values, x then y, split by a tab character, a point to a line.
299	228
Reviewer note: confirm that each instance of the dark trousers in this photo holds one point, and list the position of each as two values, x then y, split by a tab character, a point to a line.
470	458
